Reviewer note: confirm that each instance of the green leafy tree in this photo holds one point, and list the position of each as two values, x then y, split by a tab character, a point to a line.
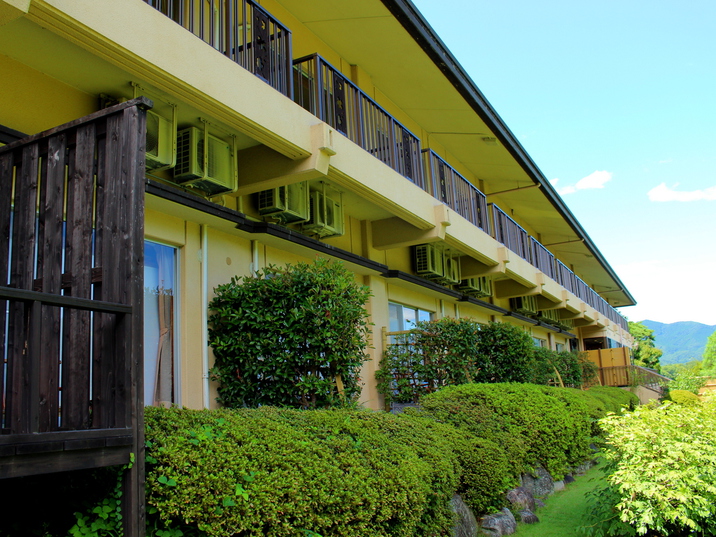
708	365
645	352
293	336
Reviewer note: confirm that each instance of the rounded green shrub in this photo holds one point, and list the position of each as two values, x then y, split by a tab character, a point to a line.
683	397
293	336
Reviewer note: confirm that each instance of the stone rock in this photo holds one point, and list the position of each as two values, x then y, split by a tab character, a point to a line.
502	523
528	517
465	521
521	498
558	486
540	484
568	479
583	468
539	504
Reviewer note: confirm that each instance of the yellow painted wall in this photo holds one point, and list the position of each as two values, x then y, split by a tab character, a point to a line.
34	102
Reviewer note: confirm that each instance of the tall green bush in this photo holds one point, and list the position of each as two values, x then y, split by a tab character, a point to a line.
450	352
432	355
504	353
293	336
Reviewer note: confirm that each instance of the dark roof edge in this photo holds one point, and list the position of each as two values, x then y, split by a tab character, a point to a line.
421	31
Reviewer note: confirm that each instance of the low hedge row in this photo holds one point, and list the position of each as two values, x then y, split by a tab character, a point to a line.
282	472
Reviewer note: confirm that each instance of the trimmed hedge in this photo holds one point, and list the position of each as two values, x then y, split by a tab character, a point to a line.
280	472
340	472
542	425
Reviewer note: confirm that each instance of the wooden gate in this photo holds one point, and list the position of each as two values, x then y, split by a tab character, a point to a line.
71	288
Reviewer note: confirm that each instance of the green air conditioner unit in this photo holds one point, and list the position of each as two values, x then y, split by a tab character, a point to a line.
477	287
326	216
288	204
429	261
160	142
214	172
451	262
549	316
526	305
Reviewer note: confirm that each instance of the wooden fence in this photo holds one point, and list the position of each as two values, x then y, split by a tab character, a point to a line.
71	277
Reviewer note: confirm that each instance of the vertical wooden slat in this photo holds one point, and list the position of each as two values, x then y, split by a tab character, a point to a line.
78	263
22	267
99	320
105	394
49	269
6	180
130	372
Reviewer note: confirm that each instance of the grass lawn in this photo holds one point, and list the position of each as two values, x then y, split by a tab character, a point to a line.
564	511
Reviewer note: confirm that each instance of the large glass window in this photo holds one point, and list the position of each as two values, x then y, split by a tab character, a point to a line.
160	294
404	317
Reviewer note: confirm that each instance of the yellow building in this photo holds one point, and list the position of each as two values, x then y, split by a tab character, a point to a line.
334	128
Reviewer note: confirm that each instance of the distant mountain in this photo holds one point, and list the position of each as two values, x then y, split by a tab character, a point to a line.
681	342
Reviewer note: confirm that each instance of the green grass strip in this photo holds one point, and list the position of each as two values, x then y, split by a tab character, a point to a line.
564	511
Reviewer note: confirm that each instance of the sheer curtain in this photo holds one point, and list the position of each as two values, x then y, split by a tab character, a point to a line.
159	295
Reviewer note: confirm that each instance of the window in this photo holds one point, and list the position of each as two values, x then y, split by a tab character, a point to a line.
160	294
538	342
405	317
559	347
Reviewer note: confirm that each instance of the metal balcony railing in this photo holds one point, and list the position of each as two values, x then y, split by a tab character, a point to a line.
325	92
508	232
448	186
241	30
543	259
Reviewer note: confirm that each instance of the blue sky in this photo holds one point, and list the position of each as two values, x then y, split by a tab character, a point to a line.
616	103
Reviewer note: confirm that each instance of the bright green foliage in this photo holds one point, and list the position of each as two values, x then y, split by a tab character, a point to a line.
683	397
645	353
451	352
709	357
687	377
486	474
539	424
277	472
291	337
432	355
662	466
574	369
504	353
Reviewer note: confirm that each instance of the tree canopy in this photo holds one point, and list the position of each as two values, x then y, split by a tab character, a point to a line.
645	352
708	365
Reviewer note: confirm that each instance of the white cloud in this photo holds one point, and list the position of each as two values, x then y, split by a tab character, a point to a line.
664	193
594	180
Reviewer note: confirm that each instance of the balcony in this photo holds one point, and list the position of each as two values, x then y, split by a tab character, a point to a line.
448	186
241	30
325	92
246	33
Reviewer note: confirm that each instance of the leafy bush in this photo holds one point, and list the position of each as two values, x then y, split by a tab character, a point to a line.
572	368
432	355
682	397
277	472
450	352
289	337
539	424
662	474
504	353
615	399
